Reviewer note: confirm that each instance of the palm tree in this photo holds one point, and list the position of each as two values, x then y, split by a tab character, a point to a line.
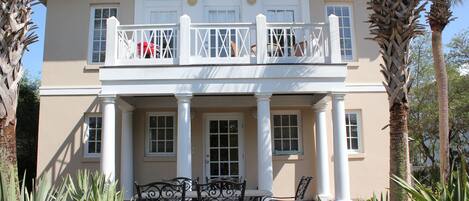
439	16
15	36
393	24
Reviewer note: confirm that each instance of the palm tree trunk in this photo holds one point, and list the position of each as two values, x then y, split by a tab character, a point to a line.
8	162
399	145
442	83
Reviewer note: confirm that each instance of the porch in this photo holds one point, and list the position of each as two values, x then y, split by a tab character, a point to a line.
199	118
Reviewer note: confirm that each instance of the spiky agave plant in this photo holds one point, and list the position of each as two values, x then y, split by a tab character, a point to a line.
44	191
92	187
393	24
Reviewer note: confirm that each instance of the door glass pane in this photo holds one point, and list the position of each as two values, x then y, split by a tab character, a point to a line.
223	154
213	140
214	170
223	140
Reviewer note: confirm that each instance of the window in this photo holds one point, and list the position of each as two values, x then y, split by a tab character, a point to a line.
161	133
93	130
345	28
286	129
280	15
98	23
352	124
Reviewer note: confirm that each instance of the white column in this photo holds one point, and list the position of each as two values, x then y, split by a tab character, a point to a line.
111	41
108	153
184	155
334	39
261	31
322	155
264	143
341	169
127	161
184	40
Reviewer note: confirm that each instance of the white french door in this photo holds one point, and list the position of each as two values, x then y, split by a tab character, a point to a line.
222	40
224	155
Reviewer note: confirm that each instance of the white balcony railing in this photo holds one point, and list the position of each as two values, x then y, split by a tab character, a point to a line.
220	43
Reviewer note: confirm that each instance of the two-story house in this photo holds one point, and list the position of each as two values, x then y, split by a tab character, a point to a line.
265	90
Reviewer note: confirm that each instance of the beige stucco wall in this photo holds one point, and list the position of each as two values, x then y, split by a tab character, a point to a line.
365	67
61	144
66	42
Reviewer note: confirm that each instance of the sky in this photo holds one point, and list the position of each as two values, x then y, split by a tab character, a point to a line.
33	59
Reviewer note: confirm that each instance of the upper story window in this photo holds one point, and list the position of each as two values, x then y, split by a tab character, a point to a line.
280	15
352	123
345	26
93	130
99	15
286	132
161	133
227	15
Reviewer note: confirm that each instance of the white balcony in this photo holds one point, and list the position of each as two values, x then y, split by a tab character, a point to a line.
219	58
219	43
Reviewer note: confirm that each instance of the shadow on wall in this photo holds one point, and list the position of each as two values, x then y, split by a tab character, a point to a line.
303	165
65	160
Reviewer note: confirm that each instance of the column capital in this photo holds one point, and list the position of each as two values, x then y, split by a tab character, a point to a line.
338	96
263	96
183	97
108	99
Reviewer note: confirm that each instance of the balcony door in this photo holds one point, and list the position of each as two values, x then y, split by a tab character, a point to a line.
223	39
280	40
163	39
224	146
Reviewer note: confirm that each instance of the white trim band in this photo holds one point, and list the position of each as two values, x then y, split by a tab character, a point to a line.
95	90
69	90
364	88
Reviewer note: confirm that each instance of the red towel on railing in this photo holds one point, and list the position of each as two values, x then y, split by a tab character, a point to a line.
149	49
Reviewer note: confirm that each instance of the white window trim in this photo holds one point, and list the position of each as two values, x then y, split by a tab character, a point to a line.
352	26
86	153
300	132
359	134
147	134
91	30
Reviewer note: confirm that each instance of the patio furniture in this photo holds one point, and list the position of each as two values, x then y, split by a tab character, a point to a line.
232	179
189	183
300	190
221	190
148	49
161	191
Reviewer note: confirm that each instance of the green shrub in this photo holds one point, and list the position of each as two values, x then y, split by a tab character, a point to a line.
456	188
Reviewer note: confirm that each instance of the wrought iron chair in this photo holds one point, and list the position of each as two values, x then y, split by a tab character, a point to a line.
232	179
300	190
157	191
221	191
190	183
